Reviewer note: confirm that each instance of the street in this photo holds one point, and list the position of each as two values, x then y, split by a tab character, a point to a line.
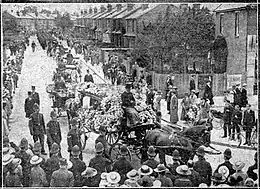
38	70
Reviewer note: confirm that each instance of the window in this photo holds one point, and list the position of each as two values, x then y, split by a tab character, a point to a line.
128	26
237	24
221	19
133	26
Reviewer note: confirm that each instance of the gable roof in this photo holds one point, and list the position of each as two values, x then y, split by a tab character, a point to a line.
230	7
109	13
26	16
100	14
141	12
127	13
117	12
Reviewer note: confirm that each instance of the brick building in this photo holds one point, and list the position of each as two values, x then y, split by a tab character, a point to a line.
237	24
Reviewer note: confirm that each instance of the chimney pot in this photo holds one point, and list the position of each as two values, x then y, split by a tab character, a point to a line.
95	10
130	6
102	9
144	6
90	11
119	7
109	7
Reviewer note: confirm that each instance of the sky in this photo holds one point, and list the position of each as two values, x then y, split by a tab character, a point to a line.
76	7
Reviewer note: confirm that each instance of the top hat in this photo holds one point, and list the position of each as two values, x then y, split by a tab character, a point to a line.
145	170
151	151
89	172
176	155
218	178
113	177
239	165
133	174
99	147
227	153
200	151
160	168
75	150
35	160
183	170
54	148
124	150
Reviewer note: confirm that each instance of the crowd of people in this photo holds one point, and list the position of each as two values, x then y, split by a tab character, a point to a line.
12	67
26	165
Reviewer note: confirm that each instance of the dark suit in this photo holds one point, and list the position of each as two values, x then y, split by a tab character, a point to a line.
208	94
228	165
51	165
192	84
28	106
36	97
244	97
73	138
227	119
236	121
248	123
77	168
122	166
204	169
53	133
237	97
37	128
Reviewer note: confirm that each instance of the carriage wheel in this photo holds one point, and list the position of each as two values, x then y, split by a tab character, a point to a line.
114	153
85	134
113	137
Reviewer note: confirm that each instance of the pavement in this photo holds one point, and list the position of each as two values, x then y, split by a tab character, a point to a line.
37	70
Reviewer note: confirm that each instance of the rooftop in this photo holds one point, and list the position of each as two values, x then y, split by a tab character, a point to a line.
230	7
109	13
26	16
141	12
127	13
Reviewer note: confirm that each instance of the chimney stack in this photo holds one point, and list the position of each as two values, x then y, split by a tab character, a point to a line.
109	7
102	8
119	7
17	12
184	7
130	6
196	6
145	6
95	10
90	11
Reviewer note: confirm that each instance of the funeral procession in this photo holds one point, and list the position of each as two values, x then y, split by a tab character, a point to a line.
129	95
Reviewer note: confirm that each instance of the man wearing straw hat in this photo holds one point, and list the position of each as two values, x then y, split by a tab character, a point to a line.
89	178
7	159
132	177
37	151
78	166
151	162
145	173
13	177
165	181
238	167
219	180
113	179
183	178
203	167
37	176
62	177
122	166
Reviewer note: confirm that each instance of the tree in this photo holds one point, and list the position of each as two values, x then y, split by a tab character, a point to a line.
64	21
176	37
10	25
